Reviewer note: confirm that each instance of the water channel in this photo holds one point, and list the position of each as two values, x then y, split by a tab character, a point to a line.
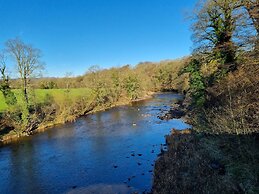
107	152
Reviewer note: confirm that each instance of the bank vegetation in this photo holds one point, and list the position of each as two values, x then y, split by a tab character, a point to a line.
31	102
221	153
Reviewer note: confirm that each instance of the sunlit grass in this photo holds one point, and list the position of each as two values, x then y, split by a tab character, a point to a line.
3	105
59	95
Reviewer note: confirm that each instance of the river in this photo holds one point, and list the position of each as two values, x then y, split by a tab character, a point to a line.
107	152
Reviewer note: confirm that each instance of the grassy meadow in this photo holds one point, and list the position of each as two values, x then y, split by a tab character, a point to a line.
59	95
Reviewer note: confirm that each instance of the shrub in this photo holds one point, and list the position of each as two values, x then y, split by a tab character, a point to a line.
196	81
132	86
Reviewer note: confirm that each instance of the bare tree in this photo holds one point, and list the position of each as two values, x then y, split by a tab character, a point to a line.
220	28
252	7
5	88
4	80
68	80
3	67
27	60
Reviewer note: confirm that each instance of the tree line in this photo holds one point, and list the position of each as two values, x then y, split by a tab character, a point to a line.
107	87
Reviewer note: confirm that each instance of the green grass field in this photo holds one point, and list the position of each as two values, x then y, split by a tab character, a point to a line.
58	94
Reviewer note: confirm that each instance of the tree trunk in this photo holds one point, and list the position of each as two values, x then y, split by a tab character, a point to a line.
25	90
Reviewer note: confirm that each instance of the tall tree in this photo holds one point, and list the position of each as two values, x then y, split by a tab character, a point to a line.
252	7
4	77
5	88
27	60
218	29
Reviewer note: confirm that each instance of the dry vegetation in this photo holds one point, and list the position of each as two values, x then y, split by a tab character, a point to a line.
237	98
58	100
221	155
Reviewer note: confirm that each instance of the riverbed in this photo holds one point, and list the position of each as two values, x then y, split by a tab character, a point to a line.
107	152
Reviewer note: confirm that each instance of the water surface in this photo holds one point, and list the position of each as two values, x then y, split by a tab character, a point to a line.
107	152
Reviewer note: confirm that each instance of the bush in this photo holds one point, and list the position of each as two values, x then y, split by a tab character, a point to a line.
196	81
132	86
10	98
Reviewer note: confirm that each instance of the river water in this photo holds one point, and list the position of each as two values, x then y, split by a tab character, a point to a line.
106	152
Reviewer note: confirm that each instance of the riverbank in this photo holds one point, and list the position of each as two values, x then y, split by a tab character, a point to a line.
114	147
199	162
14	136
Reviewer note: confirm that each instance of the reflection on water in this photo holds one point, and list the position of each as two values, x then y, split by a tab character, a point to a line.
113	151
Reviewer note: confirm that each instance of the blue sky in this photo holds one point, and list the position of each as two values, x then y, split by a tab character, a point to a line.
76	34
